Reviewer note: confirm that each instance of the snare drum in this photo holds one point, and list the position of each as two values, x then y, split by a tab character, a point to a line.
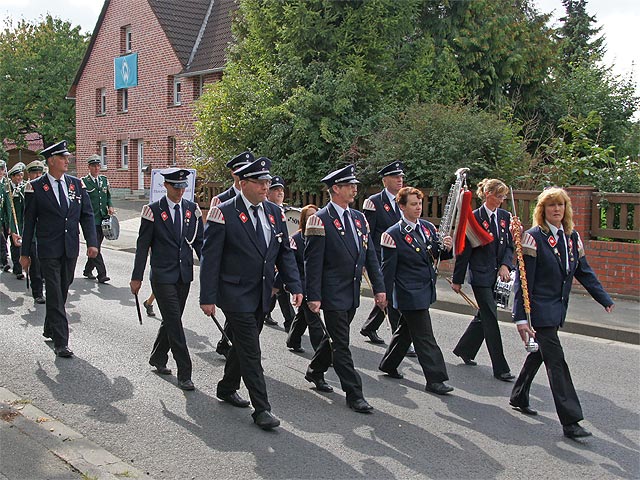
503	291
292	214
111	228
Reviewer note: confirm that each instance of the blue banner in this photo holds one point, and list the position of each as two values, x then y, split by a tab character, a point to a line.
125	71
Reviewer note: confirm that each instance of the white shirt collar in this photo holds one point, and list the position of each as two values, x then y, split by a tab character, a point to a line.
339	210
392	198
553	228
172	204
489	212
53	180
248	204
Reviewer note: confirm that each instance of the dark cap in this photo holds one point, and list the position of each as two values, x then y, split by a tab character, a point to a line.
59	148
35	166
95	158
244	158
177	177
343	175
395	168
17	168
277	181
258	170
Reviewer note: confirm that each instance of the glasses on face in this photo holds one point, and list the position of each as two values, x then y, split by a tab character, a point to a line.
264	183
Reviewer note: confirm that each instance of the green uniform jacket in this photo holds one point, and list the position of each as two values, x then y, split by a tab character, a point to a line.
100	196
17	195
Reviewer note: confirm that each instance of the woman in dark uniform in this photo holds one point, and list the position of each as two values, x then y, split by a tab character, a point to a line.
553	255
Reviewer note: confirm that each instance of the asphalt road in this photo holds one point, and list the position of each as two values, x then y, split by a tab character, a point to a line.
109	394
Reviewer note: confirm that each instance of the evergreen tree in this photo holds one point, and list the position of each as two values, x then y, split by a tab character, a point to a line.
579	42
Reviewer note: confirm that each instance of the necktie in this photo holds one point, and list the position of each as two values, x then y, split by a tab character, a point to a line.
563	250
177	221
64	204
351	239
493	226
262	243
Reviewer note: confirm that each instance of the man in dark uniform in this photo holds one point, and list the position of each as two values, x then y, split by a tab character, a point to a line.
276	195
56	205
336	250
240	160
382	212
14	207
172	229
34	170
4	252
244	241
98	189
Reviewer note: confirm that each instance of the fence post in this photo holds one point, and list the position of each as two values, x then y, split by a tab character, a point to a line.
581	202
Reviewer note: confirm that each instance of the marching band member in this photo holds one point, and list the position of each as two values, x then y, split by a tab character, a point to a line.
245	239
335	253
485	265
553	256
15	203
409	250
172	229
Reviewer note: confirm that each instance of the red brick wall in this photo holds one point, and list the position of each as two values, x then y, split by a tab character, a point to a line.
151	119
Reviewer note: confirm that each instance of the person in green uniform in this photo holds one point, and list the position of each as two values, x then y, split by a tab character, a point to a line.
4	228
14	207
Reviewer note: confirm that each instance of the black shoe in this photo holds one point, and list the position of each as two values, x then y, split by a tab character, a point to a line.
20	276
266	420
360	405
6	267
505	377
373	337
39	299
526	410
467	360
392	373
296	349
270	321
104	279
161	369
411	352
63	352
320	383
186	385
439	388
235	400
573	430
149	308
89	275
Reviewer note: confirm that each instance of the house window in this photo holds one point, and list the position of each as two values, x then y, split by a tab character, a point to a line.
123	99
198	86
124	154
177	91
101	101
103	155
125	39
172	151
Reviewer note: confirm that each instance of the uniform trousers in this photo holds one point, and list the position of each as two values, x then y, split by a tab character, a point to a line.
98	262
58	276
376	317
282	297
303	319
171	300
35	272
484	327
4	252
338	323
415	326
564	394
244	359
15	257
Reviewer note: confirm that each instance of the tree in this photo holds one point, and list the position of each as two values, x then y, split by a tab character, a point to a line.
38	62
578	41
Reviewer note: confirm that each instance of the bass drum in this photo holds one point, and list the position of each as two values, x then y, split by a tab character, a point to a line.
111	228
292	214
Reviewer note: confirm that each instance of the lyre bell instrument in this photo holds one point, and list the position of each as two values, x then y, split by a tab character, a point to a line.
450	214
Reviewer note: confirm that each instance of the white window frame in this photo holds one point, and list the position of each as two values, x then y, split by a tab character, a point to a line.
103	155
103	101
177	91
125	100
127	39
124	155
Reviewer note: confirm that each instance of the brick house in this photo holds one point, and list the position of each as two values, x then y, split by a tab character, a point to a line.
25	155
174	49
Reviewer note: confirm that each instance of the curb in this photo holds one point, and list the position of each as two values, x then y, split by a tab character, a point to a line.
68	445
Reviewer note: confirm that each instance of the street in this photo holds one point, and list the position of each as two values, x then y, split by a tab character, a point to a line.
109	393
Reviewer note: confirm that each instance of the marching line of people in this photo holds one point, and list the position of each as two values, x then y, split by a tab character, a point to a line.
248	262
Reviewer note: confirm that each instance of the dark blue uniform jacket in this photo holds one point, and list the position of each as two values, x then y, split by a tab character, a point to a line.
381	215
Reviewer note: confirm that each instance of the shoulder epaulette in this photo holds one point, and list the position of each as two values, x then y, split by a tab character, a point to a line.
387	240
580	245
147	213
215	201
315	226
215	215
529	245
82	184
28	188
293	244
369	205
198	212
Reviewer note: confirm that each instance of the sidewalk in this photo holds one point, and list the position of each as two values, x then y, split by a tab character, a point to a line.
35	446
585	316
